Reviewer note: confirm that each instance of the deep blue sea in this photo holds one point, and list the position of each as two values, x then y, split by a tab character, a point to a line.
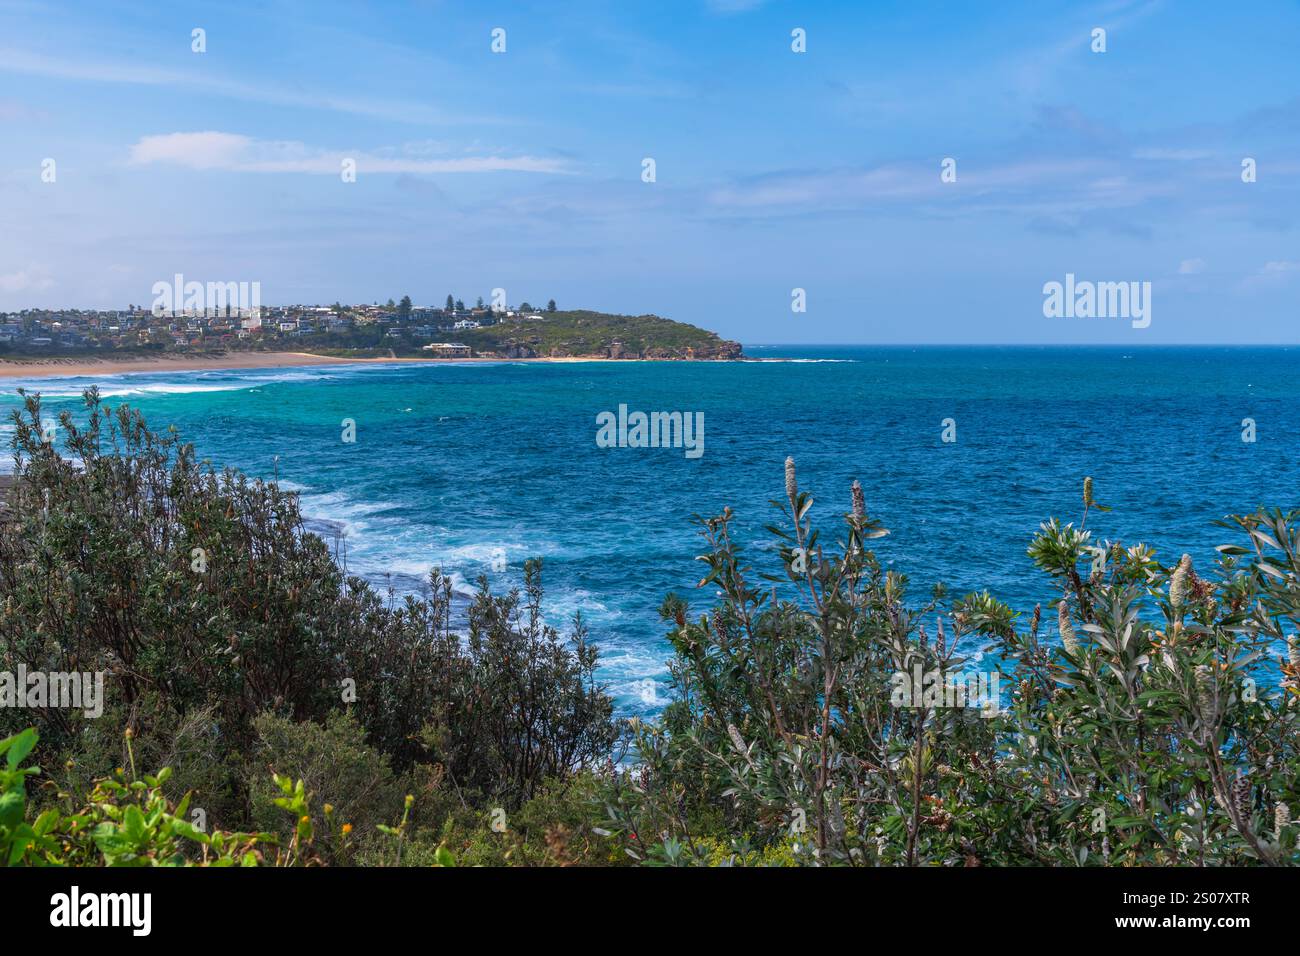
455	464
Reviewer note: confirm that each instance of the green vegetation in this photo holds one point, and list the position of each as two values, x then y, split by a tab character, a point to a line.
234	647
314	723
1157	735
592	333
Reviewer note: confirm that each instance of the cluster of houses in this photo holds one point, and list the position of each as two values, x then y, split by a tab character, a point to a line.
137	326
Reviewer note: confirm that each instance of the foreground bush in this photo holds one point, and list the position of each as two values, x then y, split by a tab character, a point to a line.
1149	722
233	645
1160	731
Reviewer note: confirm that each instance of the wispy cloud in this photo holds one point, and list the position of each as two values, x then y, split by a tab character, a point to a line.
31	279
1272	274
27	63
733	6
1159	154
233	152
1041	187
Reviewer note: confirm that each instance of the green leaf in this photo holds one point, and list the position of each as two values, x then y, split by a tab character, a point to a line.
11	808
19	747
133	827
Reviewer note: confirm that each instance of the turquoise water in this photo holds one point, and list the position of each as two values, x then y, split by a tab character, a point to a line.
454	465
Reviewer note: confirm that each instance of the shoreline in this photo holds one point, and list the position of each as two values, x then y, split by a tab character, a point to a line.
77	367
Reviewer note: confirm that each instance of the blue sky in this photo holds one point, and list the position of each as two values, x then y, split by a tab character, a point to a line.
775	170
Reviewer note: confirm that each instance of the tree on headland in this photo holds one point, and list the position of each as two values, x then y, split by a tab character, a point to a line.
525	307
480	302
460	306
404	308
550	306
451	303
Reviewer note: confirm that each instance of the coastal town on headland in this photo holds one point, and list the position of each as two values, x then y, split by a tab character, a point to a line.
396	329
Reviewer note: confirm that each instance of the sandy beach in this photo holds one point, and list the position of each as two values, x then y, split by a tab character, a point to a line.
40	368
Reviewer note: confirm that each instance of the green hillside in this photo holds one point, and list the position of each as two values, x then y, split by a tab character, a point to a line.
583	332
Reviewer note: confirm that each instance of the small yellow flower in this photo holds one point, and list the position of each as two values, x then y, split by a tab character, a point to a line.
347	828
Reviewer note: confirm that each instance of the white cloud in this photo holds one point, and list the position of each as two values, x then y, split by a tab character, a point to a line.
236	153
210	150
31	279
1190	267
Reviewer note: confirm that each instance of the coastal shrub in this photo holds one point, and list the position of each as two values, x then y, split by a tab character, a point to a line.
126	556
1160	730
558	826
123	821
524	706
339	769
191	747
207	606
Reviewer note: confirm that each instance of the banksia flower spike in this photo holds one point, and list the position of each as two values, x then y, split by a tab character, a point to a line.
1205	695
1241	797
1178	583
1281	820
1087	492
791	483
1066	628
736	739
1293	650
859	501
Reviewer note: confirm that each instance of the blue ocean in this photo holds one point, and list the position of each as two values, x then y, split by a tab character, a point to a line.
476	467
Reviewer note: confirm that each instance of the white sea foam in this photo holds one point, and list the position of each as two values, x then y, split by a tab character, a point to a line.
180	382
